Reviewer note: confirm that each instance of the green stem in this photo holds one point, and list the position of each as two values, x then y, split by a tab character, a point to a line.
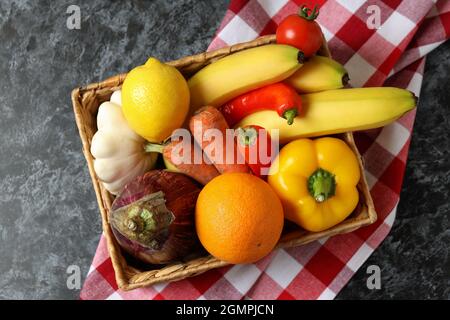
289	115
154	147
322	185
247	136
304	12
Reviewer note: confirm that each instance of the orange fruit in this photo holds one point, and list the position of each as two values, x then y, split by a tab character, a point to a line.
238	218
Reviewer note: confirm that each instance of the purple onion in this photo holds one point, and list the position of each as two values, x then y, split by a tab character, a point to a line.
153	217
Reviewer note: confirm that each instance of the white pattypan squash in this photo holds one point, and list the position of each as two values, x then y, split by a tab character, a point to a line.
118	151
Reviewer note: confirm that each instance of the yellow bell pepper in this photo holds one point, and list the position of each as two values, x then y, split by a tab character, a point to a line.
316	181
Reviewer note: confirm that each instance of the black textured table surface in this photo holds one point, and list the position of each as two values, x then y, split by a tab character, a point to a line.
48	214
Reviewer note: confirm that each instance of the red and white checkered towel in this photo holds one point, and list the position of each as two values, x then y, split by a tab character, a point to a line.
392	55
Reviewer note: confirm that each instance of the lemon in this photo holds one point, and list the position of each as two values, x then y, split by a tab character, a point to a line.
155	100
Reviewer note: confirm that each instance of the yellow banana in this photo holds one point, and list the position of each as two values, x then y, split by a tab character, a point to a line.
337	111
241	72
319	74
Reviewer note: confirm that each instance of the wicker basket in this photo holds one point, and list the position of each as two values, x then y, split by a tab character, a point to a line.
86	101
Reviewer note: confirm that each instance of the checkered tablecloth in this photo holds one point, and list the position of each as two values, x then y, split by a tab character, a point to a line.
392	55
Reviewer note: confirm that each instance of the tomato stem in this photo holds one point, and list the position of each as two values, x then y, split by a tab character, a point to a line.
304	12
247	136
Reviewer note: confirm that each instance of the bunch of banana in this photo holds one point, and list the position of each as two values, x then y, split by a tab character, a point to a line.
243	71
338	111
326	110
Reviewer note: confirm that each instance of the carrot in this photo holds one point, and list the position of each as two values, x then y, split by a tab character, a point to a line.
215	146
192	164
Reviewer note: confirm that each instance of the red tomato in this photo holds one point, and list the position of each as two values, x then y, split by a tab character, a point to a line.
255	145
301	31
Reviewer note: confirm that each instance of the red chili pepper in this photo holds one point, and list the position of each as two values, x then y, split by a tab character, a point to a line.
279	97
255	145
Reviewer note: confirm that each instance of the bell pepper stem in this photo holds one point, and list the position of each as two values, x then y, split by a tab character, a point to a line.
289	115
321	185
